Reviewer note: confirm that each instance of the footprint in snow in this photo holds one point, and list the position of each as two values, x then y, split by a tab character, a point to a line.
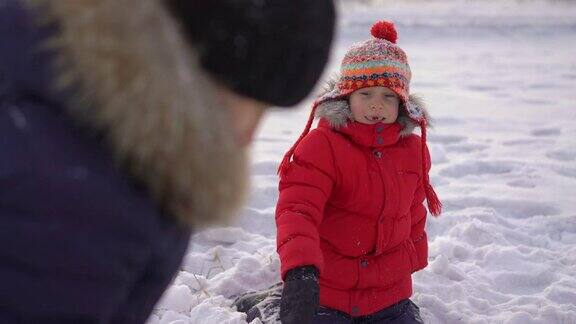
545	132
466	147
446	139
525	141
448	121
478	168
566	171
539	102
564	154
482	88
522	183
506	207
526	281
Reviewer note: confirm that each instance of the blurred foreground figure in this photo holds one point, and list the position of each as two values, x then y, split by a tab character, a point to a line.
123	125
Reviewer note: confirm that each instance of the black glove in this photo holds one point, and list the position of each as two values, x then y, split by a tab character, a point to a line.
300	296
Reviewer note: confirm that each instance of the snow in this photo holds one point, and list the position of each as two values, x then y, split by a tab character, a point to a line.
500	79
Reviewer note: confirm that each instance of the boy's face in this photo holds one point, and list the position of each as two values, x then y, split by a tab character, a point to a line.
374	104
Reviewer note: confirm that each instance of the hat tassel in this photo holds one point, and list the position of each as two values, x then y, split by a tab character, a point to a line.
288	156
434	203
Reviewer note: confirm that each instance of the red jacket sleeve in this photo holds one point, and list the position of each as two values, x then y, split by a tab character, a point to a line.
304	190
418	215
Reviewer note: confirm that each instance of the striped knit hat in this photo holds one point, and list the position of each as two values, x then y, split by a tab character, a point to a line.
377	62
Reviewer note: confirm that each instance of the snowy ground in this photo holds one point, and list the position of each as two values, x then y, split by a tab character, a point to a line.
500	80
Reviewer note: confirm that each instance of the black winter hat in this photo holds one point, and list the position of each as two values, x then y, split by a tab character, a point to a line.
270	50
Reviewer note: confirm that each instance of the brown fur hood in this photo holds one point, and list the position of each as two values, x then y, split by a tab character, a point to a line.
136	80
337	111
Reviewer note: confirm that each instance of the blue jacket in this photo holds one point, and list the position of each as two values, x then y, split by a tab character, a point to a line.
80	240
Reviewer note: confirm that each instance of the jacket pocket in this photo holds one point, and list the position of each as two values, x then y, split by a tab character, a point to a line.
339	272
386	269
413	256
421	252
408	181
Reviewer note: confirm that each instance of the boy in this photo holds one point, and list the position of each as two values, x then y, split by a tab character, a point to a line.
350	216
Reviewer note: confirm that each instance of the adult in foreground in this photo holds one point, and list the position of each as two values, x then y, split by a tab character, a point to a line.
123	126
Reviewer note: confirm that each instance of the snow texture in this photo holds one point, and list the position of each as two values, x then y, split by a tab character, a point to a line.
499	78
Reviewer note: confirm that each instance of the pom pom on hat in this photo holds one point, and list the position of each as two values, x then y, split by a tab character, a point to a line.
384	30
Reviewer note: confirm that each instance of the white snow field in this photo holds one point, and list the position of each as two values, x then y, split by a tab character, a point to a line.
500	81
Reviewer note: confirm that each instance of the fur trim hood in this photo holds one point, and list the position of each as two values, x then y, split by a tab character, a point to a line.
134	79
336	110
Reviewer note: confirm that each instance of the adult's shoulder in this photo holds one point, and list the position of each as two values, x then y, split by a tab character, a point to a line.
67	180
71	221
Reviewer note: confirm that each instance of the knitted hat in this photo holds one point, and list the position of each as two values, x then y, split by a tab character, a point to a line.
377	62
262	49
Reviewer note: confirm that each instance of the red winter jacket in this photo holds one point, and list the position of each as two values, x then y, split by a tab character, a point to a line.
351	204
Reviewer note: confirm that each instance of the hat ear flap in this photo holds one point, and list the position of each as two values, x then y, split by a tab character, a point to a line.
330	90
336	112
416	109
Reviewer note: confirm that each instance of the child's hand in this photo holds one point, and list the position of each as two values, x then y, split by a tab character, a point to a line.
300	296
